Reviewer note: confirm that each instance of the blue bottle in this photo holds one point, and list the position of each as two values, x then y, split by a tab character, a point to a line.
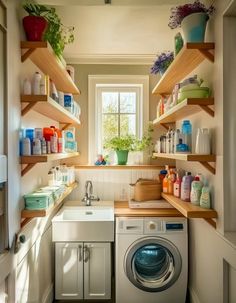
187	134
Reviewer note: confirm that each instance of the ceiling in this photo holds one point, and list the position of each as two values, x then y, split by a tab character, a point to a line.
126	32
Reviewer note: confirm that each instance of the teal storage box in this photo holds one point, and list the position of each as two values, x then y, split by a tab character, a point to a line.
54	190
36	201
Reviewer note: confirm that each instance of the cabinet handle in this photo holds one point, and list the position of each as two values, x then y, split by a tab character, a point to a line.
86	253
80	253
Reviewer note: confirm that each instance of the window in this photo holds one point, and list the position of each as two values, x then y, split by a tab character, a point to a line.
118	105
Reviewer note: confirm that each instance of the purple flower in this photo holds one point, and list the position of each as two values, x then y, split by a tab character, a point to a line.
178	13
162	62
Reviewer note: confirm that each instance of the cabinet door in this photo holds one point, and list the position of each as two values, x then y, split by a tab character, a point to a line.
69	271
97	270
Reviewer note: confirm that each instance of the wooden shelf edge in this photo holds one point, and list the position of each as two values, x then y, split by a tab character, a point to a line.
42	54
176	71
46	158
203	103
32	101
117	167
189	210
30	214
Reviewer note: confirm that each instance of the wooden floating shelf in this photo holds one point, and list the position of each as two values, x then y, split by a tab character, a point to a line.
43	56
30	214
46	106
191	211
31	161
190	56
203	159
184	109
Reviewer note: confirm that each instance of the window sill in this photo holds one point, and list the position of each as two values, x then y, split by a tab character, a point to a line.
124	167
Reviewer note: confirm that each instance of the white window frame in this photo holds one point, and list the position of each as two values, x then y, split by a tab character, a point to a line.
95	82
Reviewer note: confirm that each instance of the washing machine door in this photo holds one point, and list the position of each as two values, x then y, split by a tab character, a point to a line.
152	264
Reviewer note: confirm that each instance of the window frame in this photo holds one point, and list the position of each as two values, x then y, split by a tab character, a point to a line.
141	82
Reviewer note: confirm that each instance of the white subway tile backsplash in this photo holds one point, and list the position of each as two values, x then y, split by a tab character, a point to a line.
110	184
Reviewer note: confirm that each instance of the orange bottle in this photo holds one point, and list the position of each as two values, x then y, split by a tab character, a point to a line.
165	184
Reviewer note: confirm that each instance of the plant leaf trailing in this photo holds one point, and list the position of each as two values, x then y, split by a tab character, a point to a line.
178	13
57	34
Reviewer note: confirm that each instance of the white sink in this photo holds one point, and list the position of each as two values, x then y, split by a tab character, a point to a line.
76	222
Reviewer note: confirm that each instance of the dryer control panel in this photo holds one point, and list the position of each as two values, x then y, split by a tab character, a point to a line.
164	225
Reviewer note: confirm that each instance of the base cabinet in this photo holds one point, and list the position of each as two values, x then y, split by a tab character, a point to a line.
83	271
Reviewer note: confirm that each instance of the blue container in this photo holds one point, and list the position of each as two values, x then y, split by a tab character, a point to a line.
187	134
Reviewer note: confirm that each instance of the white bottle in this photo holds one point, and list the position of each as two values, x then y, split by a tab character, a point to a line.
26	147
43	146
36	83
54	143
27	90
37	147
196	190
51	178
176	139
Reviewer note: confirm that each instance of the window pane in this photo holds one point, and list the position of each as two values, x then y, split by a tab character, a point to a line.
127	125
109	127
109	102
128	102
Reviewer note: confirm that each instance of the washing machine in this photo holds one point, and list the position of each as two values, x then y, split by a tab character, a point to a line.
151	259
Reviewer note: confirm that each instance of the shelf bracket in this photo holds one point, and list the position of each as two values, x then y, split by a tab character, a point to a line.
208	110
27	168
209	167
27	108
25	221
208	55
211	222
66	125
27	54
164	125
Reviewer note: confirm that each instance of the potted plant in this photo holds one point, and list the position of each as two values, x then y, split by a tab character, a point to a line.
122	146
192	17
162	62
55	32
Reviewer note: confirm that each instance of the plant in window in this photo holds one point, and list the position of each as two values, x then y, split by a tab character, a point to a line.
162	62
43	23
145	142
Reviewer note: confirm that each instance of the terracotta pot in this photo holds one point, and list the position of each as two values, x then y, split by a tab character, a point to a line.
34	27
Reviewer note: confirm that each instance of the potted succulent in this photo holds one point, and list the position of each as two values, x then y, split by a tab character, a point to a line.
122	146
162	62
53	31
192	17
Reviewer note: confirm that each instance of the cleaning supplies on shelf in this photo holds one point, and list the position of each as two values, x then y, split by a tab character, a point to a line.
186	187
36	83
196	190
187	134
205	199
27	90
203	145
177	186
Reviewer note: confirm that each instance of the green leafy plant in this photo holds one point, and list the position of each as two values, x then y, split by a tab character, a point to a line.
120	143
57	34
131	143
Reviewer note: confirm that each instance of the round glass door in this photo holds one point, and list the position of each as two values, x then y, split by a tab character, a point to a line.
153	264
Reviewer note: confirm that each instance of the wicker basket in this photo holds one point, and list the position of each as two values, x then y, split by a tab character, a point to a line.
146	190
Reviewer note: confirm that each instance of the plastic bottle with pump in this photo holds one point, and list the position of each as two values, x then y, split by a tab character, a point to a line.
205	199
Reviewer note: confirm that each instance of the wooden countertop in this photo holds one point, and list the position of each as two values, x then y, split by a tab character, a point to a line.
122	210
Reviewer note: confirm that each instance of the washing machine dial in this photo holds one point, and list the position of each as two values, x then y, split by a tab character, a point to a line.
152	225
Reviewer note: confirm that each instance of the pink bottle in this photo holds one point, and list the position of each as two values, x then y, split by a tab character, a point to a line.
177	186
186	187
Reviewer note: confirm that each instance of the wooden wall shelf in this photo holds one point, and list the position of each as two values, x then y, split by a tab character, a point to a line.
190	56
46	106
31	161
184	109
42	55
191	211
27	215
203	159
120	167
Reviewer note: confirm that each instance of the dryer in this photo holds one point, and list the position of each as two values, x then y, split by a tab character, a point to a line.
151	260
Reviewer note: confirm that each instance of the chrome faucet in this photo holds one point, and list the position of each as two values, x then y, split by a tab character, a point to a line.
88	197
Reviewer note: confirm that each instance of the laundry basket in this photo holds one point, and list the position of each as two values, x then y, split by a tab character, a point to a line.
146	190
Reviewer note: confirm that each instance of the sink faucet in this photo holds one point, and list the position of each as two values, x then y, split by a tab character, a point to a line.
88	197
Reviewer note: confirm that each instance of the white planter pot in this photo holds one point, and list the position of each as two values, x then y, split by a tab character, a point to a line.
194	27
